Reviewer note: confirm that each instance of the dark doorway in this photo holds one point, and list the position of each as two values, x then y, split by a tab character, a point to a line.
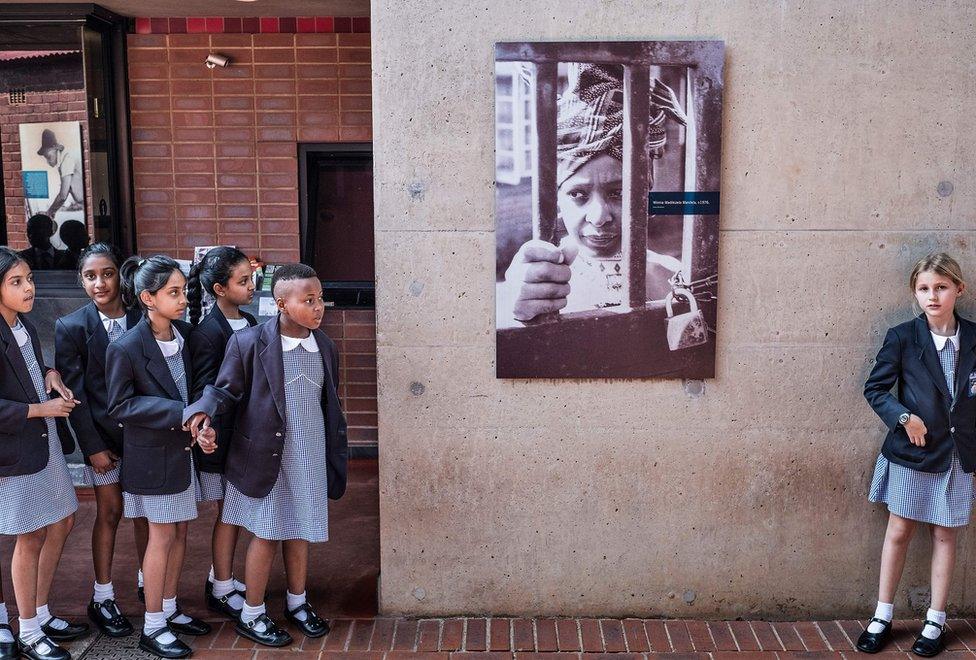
336	206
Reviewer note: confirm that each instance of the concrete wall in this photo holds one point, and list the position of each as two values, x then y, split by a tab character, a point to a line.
642	497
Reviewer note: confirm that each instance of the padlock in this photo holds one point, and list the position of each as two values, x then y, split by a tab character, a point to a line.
688	329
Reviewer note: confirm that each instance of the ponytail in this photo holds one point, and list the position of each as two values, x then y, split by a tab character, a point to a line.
151	274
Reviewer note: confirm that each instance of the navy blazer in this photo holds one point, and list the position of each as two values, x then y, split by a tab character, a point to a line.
80	341
252	378
206	347
146	403
23	441
909	360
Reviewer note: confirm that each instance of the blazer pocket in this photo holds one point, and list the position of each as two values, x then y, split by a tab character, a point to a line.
10	449
145	466
238	454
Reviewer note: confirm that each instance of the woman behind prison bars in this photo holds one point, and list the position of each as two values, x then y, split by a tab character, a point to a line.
586	270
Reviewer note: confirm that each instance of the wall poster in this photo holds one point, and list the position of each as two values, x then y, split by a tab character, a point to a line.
607	163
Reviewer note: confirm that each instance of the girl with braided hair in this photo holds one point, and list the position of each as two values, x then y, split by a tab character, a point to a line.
225	274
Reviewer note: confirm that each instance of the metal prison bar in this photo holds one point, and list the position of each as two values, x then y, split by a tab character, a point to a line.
636	59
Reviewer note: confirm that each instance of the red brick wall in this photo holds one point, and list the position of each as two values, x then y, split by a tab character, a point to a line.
215	157
40	107
215	151
354	332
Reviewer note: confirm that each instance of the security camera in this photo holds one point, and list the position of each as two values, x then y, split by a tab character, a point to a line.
214	60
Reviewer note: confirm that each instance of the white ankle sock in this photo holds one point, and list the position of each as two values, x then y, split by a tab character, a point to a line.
249	613
885	612
226	588
240	586
30	630
932	632
294	602
154	622
211	578
169	609
103	592
140	578
45	617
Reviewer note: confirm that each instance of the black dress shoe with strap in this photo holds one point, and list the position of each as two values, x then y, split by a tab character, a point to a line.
926	647
109	619
174	649
65	634
192	627
222	605
873	642
9	650
272	635
42	649
312	626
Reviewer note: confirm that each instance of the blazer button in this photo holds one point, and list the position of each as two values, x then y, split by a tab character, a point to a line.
952	429
173	429
120	425
278	435
274	454
44	435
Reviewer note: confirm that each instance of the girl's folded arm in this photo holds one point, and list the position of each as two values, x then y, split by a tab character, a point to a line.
124	405
884	375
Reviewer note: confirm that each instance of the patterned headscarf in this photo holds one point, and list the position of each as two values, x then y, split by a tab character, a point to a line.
590	119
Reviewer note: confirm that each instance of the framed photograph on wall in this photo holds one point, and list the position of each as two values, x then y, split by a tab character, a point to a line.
607	163
52	168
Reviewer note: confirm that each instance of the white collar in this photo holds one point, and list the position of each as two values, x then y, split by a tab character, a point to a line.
107	322
291	343
173	346
238	324
20	333
940	341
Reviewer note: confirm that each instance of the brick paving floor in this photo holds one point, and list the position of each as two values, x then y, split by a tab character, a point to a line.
527	639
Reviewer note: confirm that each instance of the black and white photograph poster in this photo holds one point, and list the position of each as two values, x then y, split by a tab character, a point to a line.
607	164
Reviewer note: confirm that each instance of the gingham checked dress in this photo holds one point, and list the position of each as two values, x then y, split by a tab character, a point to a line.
33	501
178	506
940	498
298	505
116	329
213	484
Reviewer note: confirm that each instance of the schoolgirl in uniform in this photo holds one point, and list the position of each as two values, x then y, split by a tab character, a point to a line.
924	472
149	379
225	274
81	339
288	454
35	488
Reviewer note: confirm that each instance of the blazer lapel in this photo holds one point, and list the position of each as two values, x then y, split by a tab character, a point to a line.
95	331
156	364
967	356
16	359
271	360
225	328
929	357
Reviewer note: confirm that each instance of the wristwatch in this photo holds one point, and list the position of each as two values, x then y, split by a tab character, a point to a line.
903	418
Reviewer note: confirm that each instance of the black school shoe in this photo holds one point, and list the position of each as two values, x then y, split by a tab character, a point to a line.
926	647
272	635
33	651
223	606
874	642
73	631
193	627
114	624
175	649
312	626
9	650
